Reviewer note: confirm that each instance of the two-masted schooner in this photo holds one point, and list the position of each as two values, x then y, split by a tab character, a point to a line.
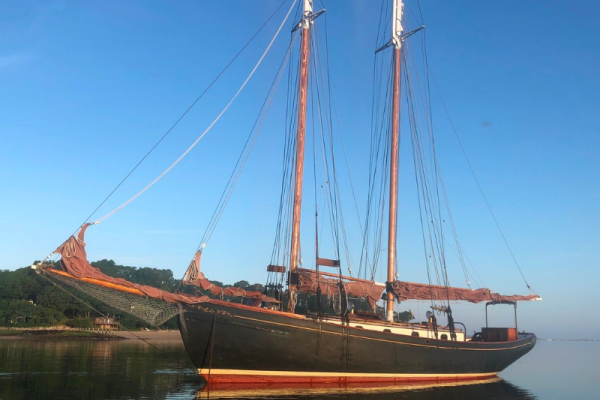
266	336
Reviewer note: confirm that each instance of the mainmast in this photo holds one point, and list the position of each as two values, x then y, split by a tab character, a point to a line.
396	43
305	25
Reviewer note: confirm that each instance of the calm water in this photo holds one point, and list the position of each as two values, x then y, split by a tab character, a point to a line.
82	369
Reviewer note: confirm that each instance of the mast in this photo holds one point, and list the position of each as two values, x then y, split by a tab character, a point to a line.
396	43
304	24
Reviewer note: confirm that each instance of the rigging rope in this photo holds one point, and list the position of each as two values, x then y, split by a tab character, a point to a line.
320	117
479	185
210	126
243	157
182	115
435	162
283	227
331	200
378	158
430	180
429	73
331	111
94	309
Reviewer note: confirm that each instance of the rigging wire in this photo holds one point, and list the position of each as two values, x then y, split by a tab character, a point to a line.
474	274
328	166
428	111
94	309
210	126
432	193
376	144
183	115
283	227
429	74
321	121
246	150
427	204
330	111
335	113
314	162
479	185
378	158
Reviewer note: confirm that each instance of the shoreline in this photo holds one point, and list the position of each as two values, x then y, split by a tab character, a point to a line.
60	333
166	336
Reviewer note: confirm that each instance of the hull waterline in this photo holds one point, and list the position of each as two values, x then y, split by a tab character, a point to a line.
355	390
233	343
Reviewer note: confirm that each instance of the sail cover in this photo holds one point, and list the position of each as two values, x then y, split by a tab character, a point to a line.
74	262
309	282
194	277
421	291
372	291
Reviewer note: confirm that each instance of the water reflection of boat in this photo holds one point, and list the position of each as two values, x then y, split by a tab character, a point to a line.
493	388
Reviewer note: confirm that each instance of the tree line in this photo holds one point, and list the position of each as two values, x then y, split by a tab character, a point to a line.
29	300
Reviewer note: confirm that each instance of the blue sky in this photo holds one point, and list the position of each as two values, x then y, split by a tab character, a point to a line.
87	88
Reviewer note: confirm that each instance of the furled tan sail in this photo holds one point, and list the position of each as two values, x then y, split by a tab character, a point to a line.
193	276
421	291
309	282
372	291
74	262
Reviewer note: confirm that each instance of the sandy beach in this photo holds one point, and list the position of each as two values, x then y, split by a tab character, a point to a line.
169	336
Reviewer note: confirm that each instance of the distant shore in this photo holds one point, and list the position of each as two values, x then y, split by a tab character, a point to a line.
568	340
62	332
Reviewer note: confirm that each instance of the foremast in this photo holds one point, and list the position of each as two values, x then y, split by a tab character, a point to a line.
305	26
396	44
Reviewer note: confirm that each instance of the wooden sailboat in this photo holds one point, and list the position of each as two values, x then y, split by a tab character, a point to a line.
265	339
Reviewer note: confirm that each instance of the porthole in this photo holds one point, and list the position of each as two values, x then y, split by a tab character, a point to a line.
387	330
444	336
415	334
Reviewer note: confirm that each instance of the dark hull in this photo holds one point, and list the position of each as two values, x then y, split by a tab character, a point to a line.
233	343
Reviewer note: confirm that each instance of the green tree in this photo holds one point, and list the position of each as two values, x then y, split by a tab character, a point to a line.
158	278
257	287
242	284
405	316
10	286
23	313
